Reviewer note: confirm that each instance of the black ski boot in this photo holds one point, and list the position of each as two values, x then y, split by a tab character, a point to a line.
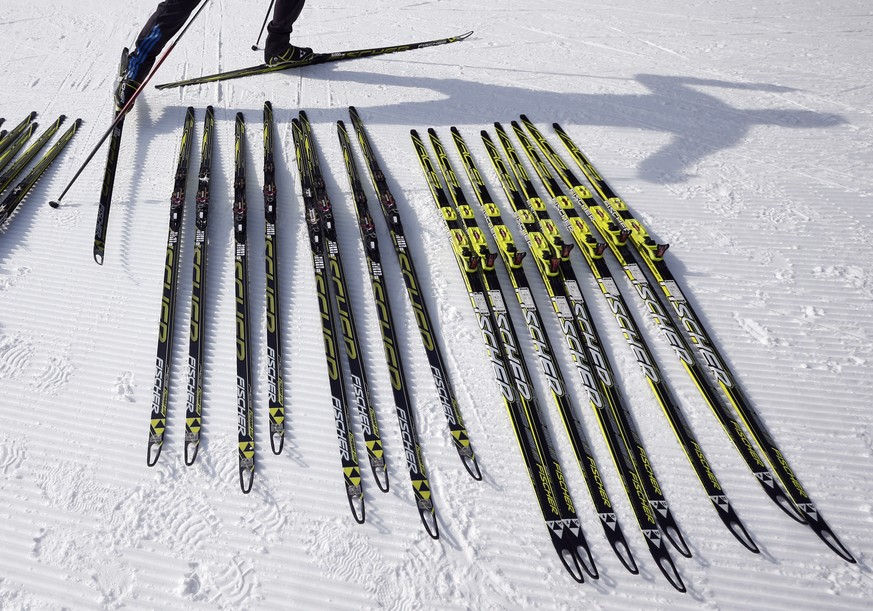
289	55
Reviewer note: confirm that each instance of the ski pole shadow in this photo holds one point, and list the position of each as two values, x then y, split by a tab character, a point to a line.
699	121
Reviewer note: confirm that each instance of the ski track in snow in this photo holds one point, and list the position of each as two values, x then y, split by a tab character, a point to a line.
738	133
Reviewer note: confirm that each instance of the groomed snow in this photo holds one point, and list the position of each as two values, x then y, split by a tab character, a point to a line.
739	132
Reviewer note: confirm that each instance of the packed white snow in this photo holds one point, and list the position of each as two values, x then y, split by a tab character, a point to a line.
739	132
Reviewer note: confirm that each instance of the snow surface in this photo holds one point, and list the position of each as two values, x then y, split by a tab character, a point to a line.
739	132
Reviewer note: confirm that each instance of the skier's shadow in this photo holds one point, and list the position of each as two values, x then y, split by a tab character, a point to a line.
700	123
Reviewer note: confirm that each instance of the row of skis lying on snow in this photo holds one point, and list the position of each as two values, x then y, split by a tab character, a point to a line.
13	164
346	368
605	225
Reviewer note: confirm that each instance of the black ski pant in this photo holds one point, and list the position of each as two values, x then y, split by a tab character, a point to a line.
171	15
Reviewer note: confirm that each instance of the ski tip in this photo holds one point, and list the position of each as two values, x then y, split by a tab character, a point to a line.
153	453
380	474
246	480
98	257
587	561
739	531
571	562
670	571
191	453
830	539
429	520
786	505
277	442
472	467
356	503
465	35
674	536
268	106
621	549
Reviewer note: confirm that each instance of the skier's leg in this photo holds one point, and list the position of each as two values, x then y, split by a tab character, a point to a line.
277	46
167	19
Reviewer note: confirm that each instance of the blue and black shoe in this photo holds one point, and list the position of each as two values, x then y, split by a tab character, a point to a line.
132	76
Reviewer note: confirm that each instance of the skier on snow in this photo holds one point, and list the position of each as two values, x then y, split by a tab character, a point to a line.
171	15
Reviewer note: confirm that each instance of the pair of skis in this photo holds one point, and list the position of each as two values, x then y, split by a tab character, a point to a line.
245	408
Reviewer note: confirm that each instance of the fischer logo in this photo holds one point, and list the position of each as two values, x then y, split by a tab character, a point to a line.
628	328
601	489
547	362
695	331
443	392
662	319
158	397
650	471
576	351
272	377
547	486
641	496
565	491
408	443
599	361
341	432
242	407
512	355
191	389
494	355
361	404
709	474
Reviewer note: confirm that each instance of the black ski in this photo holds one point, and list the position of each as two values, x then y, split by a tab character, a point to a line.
360	386
14	198
582	235
513	258
275	377
435	358
317	58
402	402
9	137
12	172
652	254
244	394
11	149
111	163
326	306
164	357
522	192
194	402
622	438
476	264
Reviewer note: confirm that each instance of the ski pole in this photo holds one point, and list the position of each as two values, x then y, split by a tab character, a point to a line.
266	18
127	106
